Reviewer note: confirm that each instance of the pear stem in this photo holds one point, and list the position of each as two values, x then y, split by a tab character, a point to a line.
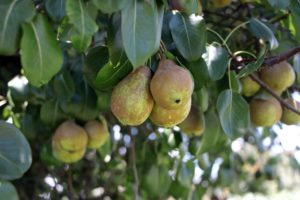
276	96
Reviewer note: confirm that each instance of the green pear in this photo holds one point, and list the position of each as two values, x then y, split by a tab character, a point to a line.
265	111
249	86
169	117
97	132
194	124
278	77
289	117
69	142
131	100
171	86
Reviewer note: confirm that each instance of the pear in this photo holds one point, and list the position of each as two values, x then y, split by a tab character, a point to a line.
131	100
265	111
97	132
169	117
171	85
249	86
194	124
289	117
69	142
278	77
66	156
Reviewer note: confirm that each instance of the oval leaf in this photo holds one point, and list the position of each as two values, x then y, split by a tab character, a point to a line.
12	14
8	191
234	113
110	75
84	24
260	30
140	31
51	113
41	55
15	152
92	63
56	9
189	34
216	58
110	6
199	72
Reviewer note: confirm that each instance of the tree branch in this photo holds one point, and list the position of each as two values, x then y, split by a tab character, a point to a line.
276	96
281	57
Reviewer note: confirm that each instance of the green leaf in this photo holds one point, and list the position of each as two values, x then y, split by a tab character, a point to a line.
255	65
234	113
140	31
92	63
216	58
279	3
116	50
109	75
202	99
12	14
8	191
110	6
189	34
200	73
83	104
296	66
294	24
85	25
234	82
63	86
186	174
212	133
41	55
157	181
15	152
51	113
260	30
56	9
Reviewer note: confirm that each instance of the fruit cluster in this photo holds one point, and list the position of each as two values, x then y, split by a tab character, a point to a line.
165	98
264	109
70	140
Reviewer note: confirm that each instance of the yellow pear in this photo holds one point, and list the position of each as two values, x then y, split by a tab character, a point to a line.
249	86
131	100
171	85
265	111
278	77
194	124
289	117
97	132
69	142
169	117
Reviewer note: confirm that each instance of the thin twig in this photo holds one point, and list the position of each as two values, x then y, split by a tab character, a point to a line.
135	172
276	96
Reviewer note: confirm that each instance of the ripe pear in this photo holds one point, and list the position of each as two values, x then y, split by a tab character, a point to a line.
97	132
169	117
69	142
171	85
265	111
249	86
131	100
288	116
278	77
194	124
